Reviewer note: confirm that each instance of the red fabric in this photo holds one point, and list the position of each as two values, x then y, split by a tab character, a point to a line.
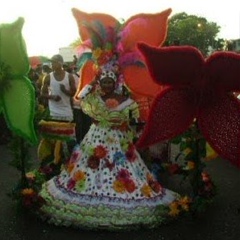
144	104
171	113
199	89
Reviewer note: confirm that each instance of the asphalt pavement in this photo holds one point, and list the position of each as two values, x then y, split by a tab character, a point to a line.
221	221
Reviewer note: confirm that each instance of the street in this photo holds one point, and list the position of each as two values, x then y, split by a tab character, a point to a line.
220	222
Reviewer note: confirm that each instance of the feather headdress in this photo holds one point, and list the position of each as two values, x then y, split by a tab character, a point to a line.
107	43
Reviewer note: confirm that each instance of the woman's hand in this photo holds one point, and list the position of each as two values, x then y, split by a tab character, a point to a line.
94	82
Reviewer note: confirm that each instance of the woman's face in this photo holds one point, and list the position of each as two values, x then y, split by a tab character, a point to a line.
107	84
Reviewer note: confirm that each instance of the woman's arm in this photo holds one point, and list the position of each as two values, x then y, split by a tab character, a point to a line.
87	89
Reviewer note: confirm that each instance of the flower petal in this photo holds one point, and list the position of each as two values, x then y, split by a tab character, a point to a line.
19	107
13	48
87	75
223	71
171	114
141	83
220	125
83	17
148	28
176	66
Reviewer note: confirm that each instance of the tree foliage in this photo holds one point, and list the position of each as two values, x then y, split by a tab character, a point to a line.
184	29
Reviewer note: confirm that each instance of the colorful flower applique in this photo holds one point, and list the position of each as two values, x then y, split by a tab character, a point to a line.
123	174
93	162
146	190
69	167
31	199
96	155
124	144
124	182
75	156
180	205
109	165
118	186
154	184
79	175
111	103
131	153
79	178
100	151
174	209
80	185
119	158
71	183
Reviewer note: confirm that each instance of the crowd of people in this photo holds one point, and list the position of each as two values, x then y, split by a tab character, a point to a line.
55	84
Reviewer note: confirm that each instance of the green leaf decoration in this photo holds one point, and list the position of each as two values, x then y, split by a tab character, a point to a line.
17	95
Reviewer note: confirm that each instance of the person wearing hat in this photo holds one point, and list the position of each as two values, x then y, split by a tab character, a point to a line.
58	88
39	82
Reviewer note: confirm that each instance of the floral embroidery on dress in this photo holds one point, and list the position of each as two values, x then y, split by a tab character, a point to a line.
93	162
119	158
111	103
81	185
100	151
124	182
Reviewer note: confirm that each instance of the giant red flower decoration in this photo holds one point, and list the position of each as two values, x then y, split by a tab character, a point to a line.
196	89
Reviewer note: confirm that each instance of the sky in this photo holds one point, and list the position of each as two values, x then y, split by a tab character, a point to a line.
50	25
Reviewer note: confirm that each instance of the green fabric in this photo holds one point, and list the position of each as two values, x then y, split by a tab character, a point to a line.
101	216
93	106
17	95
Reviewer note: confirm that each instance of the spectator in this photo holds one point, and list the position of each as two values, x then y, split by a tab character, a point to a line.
58	88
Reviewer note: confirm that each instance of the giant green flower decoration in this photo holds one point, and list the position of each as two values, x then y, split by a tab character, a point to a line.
17	95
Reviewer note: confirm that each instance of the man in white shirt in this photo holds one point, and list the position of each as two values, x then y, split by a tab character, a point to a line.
59	87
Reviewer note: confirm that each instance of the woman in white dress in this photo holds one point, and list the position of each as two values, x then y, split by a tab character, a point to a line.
106	184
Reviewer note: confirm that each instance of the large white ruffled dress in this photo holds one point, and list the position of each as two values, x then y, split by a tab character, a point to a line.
106	184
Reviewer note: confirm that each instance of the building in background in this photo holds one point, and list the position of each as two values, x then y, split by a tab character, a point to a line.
68	54
234	45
